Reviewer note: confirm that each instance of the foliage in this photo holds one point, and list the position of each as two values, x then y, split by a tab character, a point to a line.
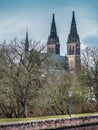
89	71
32	84
20	79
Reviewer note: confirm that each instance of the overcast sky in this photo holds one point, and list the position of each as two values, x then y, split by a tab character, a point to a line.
37	14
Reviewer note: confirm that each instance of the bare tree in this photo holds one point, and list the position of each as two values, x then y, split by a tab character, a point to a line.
22	70
89	71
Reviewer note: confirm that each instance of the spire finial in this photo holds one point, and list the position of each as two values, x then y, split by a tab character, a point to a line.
26	28
26	33
73	12
53	15
53	18
73	15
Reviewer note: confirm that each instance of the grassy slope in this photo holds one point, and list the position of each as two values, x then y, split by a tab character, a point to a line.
12	120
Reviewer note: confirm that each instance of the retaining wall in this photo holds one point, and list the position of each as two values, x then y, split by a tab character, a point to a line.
52	123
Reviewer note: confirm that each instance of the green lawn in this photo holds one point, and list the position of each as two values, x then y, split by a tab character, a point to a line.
12	120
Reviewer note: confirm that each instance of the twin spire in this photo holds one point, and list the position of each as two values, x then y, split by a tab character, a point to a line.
53	32
53	46
73	37
73	29
53	38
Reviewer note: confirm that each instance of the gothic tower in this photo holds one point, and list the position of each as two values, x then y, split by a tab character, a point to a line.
26	40
53	45
73	47
26	46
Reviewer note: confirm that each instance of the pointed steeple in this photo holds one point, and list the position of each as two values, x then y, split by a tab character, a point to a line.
53	46
73	30
53	32
73	36
26	41
73	47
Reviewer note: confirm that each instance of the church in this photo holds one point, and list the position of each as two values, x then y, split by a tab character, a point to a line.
72	60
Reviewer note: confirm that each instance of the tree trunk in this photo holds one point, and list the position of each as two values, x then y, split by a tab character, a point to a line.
96	93
25	112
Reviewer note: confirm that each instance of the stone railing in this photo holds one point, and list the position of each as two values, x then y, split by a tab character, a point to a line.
51	123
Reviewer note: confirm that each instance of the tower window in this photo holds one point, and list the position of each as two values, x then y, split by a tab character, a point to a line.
73	50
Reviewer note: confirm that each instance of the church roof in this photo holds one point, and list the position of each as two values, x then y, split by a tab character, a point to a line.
57	59
61	59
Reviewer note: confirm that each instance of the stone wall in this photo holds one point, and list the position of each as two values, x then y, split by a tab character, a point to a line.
68	123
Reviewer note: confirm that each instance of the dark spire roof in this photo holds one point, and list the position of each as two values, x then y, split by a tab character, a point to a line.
73	29
26	41
53	32
73	36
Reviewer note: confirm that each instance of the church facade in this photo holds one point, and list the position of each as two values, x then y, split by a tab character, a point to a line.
73	45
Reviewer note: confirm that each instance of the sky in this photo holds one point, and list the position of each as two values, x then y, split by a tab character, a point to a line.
37	14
